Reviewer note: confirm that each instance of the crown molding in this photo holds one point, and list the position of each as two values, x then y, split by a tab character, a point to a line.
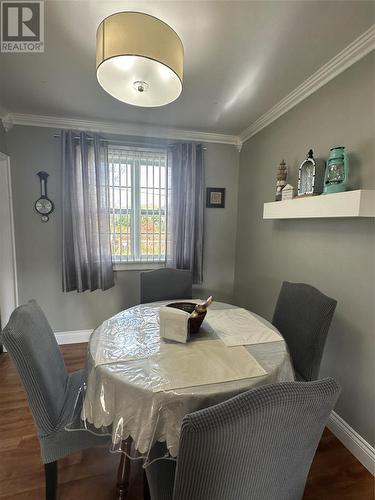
355	51
117	128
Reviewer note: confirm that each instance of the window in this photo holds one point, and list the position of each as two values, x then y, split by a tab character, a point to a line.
138	204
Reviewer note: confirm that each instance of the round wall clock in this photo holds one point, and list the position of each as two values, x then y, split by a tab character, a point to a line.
43	205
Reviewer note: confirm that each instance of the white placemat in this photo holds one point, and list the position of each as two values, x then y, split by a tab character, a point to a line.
236	326
200	363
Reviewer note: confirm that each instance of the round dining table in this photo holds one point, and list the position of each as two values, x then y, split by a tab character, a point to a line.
125	397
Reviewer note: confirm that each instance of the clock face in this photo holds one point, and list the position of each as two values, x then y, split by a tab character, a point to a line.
44	206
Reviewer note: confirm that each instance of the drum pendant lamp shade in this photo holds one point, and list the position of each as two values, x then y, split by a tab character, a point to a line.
139	59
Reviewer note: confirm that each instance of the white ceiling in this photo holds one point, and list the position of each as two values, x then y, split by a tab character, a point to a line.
241	58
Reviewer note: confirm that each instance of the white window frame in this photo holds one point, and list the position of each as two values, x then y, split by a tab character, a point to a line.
138	266
127	265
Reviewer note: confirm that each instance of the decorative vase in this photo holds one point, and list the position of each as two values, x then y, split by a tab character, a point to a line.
337	171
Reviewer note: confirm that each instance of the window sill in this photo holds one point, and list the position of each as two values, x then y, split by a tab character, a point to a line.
137	266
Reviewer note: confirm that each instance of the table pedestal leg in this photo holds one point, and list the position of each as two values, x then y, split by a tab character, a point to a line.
123	473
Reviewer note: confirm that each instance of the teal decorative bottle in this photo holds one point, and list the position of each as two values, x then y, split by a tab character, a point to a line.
337	171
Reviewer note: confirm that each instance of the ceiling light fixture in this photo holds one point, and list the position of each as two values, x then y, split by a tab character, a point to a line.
139	59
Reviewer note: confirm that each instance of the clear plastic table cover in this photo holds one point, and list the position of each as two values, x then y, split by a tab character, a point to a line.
140	386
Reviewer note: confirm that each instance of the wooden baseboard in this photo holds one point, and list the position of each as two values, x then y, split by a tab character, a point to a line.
355	443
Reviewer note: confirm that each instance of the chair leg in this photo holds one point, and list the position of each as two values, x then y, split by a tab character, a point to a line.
50	472
146	489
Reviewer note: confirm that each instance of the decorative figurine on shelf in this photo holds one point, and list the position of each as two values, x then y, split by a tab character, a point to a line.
311	176
287	193
337	172
281	175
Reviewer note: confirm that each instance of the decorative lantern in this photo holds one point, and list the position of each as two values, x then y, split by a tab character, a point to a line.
311	176
281	175
337	172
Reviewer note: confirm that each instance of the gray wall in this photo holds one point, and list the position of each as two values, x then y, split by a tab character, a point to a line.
220	224
38	245
3	146
336	256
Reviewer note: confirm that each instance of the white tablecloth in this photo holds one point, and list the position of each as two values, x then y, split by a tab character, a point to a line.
121	400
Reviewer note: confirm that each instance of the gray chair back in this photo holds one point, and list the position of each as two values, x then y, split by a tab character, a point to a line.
303	316
32	345
165	284
256	446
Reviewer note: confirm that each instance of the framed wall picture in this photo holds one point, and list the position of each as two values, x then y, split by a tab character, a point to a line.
215	197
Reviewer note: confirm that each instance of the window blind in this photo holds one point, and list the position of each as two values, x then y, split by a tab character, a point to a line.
138	203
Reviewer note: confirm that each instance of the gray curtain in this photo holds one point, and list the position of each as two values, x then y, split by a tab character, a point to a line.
87	260
186	209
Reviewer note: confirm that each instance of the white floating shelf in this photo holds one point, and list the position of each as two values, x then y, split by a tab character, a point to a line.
359	203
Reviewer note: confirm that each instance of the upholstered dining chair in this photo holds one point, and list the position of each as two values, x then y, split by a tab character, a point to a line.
256	446
303	316
51	391
164	284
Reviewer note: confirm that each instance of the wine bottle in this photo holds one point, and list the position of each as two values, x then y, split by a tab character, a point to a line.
201	308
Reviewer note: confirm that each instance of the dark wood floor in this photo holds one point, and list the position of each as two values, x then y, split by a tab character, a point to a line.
335	473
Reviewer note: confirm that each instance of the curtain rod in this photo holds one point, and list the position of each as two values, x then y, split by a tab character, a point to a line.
125	143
